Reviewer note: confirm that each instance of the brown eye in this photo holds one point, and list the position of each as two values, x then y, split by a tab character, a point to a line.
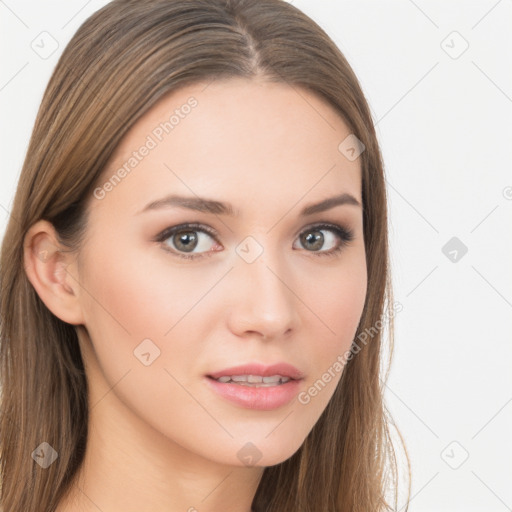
183	240
335	237
314	240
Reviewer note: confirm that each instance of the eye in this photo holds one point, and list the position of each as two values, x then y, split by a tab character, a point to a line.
313	238
185	238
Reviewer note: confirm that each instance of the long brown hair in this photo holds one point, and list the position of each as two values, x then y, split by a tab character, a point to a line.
120	62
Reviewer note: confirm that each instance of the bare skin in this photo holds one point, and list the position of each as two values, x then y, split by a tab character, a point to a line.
159	438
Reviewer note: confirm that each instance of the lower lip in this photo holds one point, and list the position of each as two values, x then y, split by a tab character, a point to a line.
252	397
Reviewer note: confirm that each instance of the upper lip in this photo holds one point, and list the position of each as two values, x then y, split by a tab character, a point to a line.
283	369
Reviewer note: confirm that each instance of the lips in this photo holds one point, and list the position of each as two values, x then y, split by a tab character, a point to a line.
257	386
258	373
258	396
254	380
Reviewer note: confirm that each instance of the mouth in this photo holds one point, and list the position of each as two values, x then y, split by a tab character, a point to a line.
256	373
256	381
255	386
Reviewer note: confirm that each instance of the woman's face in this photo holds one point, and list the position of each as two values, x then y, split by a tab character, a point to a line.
232	274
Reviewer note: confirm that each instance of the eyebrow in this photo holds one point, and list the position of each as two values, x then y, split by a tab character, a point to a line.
201	204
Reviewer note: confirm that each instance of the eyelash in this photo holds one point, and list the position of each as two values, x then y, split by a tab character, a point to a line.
345	235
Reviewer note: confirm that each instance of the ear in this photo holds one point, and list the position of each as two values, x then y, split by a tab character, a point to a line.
50	267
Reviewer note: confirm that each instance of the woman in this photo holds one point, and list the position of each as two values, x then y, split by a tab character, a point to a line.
196	252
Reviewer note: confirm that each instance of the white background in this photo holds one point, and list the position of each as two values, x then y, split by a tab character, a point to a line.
444	122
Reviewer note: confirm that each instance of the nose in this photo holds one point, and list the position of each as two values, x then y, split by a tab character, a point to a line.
263	301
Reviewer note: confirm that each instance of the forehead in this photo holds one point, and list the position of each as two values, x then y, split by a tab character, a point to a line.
250	140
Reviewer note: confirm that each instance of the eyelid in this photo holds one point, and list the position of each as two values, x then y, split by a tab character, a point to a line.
191	226
344	233
186	226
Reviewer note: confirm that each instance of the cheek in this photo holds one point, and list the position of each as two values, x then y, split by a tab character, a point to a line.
147	314
132	304
137	295
338	302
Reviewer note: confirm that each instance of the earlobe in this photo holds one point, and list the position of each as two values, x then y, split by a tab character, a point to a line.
48	267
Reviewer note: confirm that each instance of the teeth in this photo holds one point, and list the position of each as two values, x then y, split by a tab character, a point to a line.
274	378
240	378
249	380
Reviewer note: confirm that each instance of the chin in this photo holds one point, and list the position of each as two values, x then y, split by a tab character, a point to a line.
263	453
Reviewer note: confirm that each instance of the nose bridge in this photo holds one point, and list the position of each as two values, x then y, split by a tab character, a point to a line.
264	301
